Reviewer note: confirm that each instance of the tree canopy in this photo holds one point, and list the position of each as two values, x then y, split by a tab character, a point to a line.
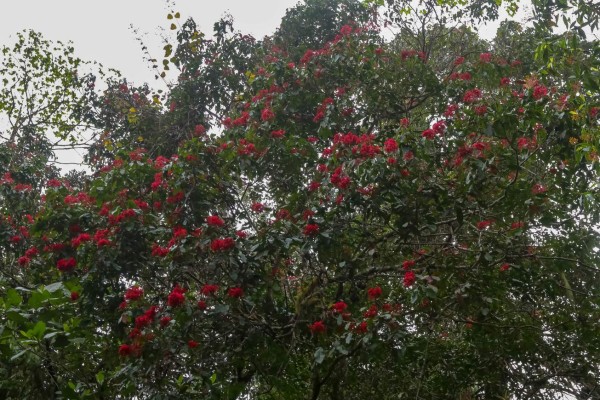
328	213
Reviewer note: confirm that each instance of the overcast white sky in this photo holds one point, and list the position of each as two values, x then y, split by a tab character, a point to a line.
100	30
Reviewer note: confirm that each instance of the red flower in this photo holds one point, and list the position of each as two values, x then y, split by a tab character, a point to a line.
374	292
84	237
409	278
192	344
24	261
371	312
311	230
209	290
235	292
199	130
278	134
202	305
361	328
134	293
125	350
215	220
142	321
538	189
317	327
517	225
485	57
66	264
267	114
165	321
74	295
257	207
408	264
390	146
222	244
481	225
505	267
31	252
339	307
179	233
346	30
158	251
539	91
428	134
176	297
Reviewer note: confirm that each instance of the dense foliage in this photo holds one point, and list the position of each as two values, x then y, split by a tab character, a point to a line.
356	219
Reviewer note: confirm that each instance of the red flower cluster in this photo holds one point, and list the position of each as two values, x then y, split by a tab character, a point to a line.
390	145
339	307
409	278
317	327
374	292
371	312
158	251
222	244
214	220
311	230
481	225
66	264
209	290
81	238
134	293
176	297
235	292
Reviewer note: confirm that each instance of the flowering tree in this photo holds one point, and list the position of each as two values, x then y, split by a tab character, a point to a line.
360	225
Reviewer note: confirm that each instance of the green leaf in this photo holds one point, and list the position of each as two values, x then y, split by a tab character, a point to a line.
38	330
13	298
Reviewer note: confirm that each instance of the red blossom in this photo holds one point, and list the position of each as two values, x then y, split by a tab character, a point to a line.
317	327
538	188
235	292
209	290
176	297
74	295
311	230
540	91
409	278
371	312
374	292
390	145
361	328
134	293
222	244
408	264
214	220
125	350
24	261
278	134
481	225
66	264
192	344
267	114
141	321
339	307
